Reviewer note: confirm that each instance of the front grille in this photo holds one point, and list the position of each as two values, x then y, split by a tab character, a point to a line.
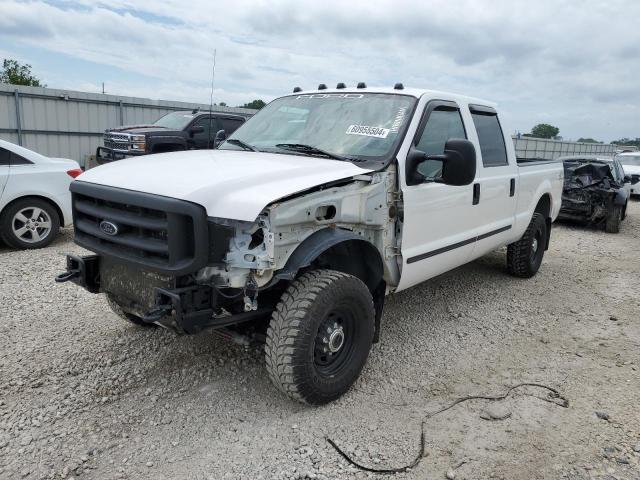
160	233
117	141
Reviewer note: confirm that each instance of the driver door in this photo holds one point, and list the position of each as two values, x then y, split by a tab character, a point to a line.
206	138
438	219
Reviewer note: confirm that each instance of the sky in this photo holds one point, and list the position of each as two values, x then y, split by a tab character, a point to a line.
573	64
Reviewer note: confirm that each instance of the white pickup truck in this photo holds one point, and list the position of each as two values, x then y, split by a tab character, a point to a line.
295	229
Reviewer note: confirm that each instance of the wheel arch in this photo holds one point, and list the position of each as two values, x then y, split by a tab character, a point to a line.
544	208
39	197
344	251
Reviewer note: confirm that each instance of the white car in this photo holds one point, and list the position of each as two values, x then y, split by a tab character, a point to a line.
631	164
34	196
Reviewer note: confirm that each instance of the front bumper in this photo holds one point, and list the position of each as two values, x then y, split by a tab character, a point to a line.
186	310
107	155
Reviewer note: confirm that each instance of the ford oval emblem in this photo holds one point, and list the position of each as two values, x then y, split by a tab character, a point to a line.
109	228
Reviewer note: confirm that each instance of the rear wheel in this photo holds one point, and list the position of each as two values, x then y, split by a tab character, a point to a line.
128	317
525	256
612	222
29	223
320	336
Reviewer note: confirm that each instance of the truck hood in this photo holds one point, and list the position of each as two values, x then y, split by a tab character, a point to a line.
227	183
140	129
631	169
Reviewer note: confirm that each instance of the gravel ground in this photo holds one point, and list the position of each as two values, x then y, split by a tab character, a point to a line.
84	395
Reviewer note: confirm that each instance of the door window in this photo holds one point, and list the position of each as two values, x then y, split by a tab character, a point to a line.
229	125
492	147
5	155
443	124
207	136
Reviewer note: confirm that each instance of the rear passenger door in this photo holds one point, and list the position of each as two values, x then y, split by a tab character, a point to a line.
5	156
496	183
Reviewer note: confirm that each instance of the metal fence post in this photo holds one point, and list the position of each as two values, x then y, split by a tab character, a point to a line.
16	95
121	113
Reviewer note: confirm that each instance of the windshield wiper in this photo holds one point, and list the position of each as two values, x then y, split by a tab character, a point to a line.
310	150
240	143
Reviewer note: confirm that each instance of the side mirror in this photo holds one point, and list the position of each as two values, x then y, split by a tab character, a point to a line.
627	179
196	129
458	164
221	136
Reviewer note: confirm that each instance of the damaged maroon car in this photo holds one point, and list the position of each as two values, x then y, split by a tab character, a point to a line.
595	191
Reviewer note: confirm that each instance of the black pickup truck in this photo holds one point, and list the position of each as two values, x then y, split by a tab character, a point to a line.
181	130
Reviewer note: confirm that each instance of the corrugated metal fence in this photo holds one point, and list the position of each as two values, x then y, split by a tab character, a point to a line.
69	124
528	147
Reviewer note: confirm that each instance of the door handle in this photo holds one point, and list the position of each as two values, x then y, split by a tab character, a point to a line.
476	193
512	187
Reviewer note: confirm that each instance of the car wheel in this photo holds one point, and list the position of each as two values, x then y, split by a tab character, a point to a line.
320	336
525	256
612	222
29	223
128	317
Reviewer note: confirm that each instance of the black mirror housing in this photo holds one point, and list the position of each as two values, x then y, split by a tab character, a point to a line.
627	179
459	162
196	129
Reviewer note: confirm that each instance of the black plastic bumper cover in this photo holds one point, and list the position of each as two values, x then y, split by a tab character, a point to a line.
185	310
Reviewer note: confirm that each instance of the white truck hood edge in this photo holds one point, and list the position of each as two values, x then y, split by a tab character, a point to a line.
227	183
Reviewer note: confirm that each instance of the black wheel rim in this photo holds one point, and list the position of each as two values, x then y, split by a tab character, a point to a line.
536	245
334	342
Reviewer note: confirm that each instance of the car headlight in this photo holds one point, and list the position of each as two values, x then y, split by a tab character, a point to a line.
138	142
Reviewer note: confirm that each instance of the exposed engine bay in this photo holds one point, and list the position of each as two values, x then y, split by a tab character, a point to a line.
590	190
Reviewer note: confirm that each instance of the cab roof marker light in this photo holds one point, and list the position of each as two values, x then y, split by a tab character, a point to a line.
362	85
398	86
297	89
341	85
322	86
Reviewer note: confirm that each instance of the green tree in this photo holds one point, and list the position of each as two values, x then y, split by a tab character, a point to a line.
16	74
544	130
627	141
222	104
255	104
588	140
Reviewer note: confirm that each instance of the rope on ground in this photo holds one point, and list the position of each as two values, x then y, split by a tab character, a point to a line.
553	396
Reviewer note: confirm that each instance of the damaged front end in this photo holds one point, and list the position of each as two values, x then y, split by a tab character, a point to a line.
166	262
590	191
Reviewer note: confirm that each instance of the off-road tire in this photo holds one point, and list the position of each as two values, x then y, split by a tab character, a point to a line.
612	222
290	349
6	231
522	260
128	317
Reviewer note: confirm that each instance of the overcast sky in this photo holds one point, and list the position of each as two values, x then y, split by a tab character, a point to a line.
574	64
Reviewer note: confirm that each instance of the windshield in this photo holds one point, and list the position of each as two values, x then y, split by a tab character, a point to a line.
631	160
354	126
175	120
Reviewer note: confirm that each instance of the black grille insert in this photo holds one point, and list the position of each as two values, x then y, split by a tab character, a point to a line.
160	233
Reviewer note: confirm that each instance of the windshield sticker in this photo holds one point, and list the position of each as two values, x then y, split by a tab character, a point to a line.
367	131
399	120
330	95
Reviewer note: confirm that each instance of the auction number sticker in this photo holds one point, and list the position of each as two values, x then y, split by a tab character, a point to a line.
364	130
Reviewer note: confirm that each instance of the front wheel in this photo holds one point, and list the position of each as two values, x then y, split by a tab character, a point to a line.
320	336
525	256
29	223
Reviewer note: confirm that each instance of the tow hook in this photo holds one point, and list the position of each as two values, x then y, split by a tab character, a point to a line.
66	276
